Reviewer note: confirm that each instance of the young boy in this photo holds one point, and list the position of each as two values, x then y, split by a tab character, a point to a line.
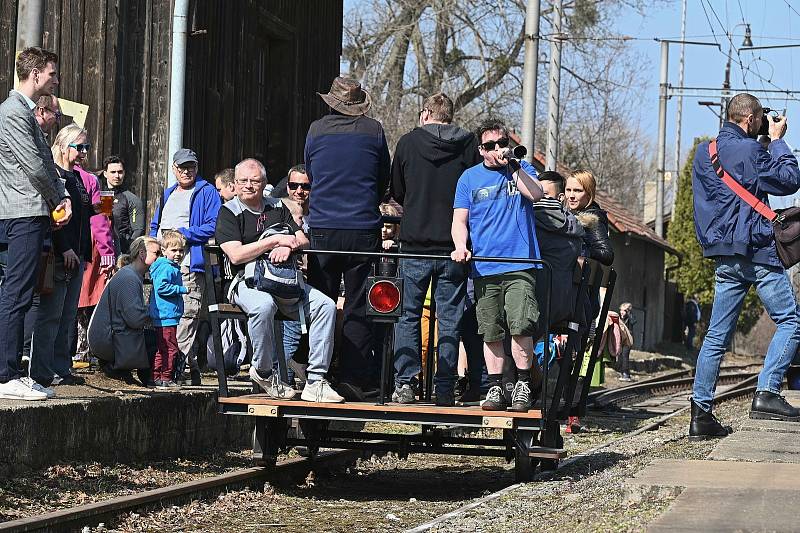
166	305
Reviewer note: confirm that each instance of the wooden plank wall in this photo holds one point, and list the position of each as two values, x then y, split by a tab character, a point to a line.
8	39
253	69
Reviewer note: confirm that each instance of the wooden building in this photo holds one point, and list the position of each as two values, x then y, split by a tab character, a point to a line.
253	68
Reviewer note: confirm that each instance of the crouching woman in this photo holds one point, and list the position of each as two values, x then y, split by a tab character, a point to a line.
116	330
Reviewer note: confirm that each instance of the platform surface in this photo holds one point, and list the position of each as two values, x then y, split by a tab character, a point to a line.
750	482
415	408
717	510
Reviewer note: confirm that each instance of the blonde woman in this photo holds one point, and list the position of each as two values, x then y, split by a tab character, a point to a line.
51	361
580	191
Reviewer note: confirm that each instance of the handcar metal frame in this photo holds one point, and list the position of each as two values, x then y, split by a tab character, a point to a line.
530	439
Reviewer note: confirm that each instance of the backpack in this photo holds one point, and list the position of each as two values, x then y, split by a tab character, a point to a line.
283	280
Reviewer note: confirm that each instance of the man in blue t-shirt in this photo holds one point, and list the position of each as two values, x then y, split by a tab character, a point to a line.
493	208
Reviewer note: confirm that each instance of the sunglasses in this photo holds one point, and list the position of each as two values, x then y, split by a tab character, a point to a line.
83	147
293	185
500	143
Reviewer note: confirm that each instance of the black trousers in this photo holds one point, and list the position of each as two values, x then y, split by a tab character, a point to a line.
354	352
22	239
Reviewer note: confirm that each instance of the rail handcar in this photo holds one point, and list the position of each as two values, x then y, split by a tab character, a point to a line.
530	439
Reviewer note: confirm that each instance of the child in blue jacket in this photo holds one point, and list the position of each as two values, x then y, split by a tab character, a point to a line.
166	305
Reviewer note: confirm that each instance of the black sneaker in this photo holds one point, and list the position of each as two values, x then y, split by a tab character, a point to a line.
462	384
404	394
495	400
471	395
350	392
445	399
521	397
195	377
72	379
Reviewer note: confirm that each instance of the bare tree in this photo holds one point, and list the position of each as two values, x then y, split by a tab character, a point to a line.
405	50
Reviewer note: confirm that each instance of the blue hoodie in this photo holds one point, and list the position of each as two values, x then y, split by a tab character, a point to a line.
166	302
205	204
725	224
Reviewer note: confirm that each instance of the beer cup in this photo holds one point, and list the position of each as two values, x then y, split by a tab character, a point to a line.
106	202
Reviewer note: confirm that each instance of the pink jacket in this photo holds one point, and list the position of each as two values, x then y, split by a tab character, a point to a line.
100	224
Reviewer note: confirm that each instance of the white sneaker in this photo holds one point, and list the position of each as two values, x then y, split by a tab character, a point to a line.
273	386
320	392
30	383
17	390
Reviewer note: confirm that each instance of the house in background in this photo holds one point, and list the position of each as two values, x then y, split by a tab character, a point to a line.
253	68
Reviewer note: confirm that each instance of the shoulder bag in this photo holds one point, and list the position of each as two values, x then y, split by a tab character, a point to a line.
785	222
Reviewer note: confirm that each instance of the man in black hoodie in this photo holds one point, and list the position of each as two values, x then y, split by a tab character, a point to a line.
427	164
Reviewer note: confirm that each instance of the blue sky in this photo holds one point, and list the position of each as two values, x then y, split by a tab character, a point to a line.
772	22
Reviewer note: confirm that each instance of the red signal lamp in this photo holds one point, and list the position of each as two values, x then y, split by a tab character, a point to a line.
384	296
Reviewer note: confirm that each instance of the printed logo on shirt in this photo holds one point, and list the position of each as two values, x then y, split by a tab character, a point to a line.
494	193
262	219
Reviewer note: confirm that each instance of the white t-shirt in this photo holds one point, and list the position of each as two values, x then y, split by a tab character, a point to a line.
176	213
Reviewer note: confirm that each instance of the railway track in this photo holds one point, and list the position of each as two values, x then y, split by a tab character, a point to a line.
92	514
297	469
746	385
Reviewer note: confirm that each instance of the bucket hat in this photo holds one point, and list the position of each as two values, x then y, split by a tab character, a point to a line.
347	97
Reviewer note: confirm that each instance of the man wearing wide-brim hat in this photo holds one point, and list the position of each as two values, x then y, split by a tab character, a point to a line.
347	161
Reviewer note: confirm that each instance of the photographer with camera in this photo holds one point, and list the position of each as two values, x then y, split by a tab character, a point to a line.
741	242
493	207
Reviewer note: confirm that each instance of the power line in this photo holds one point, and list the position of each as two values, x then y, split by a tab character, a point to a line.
792	7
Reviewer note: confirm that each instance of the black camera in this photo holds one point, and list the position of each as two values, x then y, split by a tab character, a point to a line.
765	123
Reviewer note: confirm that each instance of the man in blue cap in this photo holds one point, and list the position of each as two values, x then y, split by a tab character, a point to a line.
190	207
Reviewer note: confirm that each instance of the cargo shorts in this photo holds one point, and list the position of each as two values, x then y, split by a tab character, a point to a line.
506	304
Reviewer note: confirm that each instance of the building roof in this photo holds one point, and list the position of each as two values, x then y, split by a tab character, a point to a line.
620	218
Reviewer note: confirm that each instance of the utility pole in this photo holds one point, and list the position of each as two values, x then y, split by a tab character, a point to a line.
726	87
30	19
679	112
177	81
529	80
555	87
662	138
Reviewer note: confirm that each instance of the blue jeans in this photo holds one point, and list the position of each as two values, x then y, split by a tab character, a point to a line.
734	276
55	325
261	308
23	239
449	292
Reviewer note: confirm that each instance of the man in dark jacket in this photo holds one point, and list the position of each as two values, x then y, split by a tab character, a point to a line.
427	164
347	161
742	244
127	213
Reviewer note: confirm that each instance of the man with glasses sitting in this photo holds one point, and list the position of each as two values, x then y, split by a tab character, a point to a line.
241	223
190	207
493	207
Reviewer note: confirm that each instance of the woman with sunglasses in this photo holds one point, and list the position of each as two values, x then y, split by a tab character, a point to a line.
50	355
101	263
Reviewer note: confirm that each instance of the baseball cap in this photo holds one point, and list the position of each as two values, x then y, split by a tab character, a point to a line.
184	155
